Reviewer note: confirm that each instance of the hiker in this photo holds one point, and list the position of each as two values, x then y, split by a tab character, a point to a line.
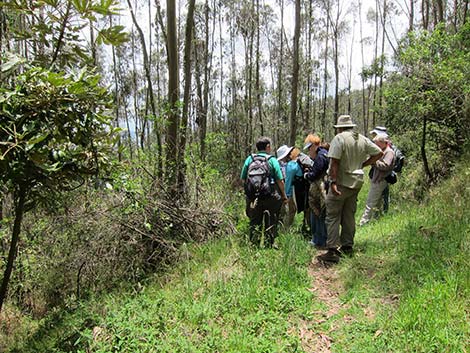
287	156
264	190
317	193
398	165
380	170
349	153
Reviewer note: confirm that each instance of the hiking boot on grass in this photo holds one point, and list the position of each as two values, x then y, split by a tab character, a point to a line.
346	251
331	256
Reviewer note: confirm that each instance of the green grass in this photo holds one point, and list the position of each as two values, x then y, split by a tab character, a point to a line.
407	289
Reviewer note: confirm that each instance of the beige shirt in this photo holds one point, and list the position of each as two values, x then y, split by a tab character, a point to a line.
351	149
383	166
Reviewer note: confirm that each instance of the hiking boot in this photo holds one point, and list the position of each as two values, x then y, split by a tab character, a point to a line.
346	251
331	256
317	246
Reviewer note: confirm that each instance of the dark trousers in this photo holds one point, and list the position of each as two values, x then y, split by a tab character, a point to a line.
386	198
264	219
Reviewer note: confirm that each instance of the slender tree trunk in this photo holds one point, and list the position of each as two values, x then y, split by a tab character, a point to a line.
310	68
93	44
221	54
374	92
173	94
116	93
412	16
281	117
62	33
427	170
205	100
257	84
425	13
19	211
350	68
325	73
363	79
382	58
186	94
295	75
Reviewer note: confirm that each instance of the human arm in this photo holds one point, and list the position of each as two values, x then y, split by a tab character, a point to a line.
320	166
372	159
278	177
386	163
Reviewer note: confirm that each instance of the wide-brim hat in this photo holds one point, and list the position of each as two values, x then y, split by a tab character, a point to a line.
379	133
344	121
379	130
283	151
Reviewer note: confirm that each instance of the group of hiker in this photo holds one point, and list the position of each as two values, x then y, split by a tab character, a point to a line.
323	183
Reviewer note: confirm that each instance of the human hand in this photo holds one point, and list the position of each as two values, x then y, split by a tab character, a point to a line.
334	189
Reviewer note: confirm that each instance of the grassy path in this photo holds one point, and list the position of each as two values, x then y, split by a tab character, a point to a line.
407	289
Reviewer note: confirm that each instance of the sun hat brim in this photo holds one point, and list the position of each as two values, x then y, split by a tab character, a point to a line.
344	125
285	154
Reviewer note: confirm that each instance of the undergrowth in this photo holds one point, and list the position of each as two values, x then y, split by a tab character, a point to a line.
407	289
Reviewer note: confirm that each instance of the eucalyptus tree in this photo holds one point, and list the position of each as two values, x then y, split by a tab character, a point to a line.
173	95
295	75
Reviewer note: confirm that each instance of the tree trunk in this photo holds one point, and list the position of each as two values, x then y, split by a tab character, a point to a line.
427	170
412	16
188	40
374	92
19	211
325	73
62	33
205	96
257	84
281	116
309	70
363	79
173	95
116	94
382	58
295	76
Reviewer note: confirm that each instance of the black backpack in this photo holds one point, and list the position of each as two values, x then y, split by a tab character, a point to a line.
258	181
399	159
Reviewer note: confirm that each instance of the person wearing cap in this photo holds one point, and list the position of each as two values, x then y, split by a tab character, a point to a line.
349	152
382	130
264	213
288	156
316	193
381	169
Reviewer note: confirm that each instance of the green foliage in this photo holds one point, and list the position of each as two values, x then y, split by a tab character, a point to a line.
56	28
433	85
54	129
406	290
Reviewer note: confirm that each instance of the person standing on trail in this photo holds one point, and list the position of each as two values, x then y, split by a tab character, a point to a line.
317	193
288	156
349	152
380	170
382	130
264	189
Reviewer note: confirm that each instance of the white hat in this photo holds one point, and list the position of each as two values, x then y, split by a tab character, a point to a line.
283	151
378	130
344	121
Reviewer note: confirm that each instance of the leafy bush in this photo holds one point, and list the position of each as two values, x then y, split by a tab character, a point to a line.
428	99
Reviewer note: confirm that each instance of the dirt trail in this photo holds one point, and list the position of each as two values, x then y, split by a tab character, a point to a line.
326	288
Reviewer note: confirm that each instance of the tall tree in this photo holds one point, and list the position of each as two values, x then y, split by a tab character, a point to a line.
295	75
188	40
173	95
